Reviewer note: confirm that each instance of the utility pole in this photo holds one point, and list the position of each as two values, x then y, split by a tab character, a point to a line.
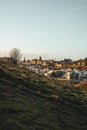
5	52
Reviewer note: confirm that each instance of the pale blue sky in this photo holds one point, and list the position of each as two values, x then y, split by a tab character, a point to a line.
50	28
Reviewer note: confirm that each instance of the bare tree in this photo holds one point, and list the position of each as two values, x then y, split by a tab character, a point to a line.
15	55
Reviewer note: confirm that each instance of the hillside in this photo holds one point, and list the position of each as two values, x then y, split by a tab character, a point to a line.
29	101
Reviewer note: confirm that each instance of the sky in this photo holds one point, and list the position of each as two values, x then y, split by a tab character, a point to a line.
49	28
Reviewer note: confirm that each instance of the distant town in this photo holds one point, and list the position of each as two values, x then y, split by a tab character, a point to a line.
62	70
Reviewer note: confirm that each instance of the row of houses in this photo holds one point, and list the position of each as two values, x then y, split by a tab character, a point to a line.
58	73
54	69
51	68
44	63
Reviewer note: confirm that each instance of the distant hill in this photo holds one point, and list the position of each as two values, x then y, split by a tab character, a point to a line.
30	101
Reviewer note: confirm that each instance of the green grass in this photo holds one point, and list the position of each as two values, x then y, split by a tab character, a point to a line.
29	101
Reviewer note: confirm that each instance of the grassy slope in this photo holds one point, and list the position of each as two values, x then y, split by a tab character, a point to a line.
29	101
